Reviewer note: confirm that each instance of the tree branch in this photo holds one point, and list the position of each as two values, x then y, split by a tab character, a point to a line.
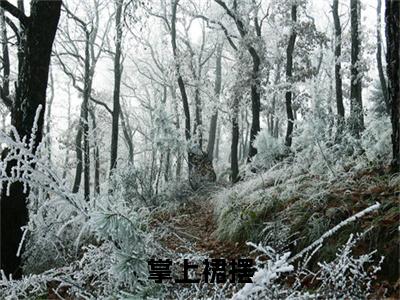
6	99
224	29
74	17
13	10
78	88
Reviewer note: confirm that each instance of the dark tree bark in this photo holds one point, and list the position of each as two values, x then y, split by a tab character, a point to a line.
96	153
21	36
246	139
214	117
79	156
242	133
392	16
127	136
235	140
83	130
356	109
181	84
217	142
276	128
83	153
178	169
273	104
117	86
167	166
197	128
255	103
5	89
289	67
338	67
40	29
85	120
382	78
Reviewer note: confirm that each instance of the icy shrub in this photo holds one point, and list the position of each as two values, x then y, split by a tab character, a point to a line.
135	184
319	152
269	149
376	140
89	249
265	283
347	276
118	260
57	217
55	233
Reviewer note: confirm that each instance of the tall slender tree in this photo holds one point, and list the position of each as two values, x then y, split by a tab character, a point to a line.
181	84
92	41
289	71
117	84
255	90
235	139
338	67
217	91
5	88
392	16
382	78
356	107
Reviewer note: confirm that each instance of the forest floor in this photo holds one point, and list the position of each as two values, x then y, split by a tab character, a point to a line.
192	228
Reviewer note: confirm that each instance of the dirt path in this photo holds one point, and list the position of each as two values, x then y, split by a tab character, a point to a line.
192	227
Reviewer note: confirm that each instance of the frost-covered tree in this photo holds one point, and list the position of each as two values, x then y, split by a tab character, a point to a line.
392	17
39	30
356	119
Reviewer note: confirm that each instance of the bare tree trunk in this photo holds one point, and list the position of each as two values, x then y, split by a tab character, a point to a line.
79	156
273	105
338	67
255	80
197	128
127	136
167	166
181	84
255	103
331	121
22	37
217	91
247	128
85	125
276	128
356	109
96	154
117	86
66	161
235	140
242	142
158	176
5	89
392	16
48	116
217	142
289	66
178	169
30	94
83	130
382	78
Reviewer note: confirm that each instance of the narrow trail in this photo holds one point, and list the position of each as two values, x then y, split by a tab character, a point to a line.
192	228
